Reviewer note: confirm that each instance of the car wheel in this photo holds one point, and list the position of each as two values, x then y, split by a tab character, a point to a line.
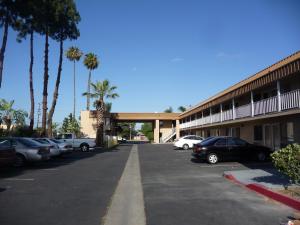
84	147
261	156
19	161
185	147
212	158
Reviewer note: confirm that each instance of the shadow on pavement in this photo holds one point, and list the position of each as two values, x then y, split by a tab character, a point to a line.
54	162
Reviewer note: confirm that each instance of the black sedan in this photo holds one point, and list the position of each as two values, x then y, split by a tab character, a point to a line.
229	148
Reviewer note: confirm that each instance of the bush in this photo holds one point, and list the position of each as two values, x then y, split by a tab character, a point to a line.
287	161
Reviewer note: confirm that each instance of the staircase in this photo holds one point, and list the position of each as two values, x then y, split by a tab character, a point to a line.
168	138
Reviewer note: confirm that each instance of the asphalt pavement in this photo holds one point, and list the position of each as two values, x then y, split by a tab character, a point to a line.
85	187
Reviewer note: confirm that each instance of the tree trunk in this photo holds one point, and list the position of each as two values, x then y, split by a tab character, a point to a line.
45	88
2	51
100	124
88	97
55	94
74	91
31	116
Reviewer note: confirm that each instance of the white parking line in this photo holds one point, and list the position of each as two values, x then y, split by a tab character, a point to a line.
19	179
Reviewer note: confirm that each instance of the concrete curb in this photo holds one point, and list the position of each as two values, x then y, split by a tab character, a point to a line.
284	199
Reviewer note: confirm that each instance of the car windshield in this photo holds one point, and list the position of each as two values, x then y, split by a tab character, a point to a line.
57	141
42	141
28	142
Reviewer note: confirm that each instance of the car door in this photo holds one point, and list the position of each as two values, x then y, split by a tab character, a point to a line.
233	149
220	148
238	148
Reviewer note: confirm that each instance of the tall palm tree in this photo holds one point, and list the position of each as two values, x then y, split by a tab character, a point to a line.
74	55
91	62
101	91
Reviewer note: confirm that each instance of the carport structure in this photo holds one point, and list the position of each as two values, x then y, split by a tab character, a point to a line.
165	125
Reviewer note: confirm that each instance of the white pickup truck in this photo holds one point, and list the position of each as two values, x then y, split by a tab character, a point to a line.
83	143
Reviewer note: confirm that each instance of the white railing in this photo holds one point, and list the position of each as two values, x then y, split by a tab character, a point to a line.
216	118
290	100
243	111
167	138
227	115
267	105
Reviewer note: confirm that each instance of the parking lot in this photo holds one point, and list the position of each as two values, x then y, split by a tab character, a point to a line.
78	189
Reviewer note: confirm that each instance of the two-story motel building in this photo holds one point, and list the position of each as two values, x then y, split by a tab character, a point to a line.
263	109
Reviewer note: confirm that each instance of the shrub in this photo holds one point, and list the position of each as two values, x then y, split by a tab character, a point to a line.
287	161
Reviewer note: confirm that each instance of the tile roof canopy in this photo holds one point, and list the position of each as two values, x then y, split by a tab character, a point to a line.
273	68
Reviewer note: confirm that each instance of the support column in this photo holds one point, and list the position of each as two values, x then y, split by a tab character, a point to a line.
177	129
210	115
156	132
278	96
221	113
233	109
252	104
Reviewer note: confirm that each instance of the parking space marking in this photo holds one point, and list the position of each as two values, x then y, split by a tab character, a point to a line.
19	179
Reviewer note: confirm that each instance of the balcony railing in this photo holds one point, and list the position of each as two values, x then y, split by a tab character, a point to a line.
243	111
266	106
289	100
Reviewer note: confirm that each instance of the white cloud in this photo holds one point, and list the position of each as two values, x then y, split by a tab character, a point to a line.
177	59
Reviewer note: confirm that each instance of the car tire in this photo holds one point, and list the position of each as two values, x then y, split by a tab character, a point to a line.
84	147
19	161
185	146
261	156
212	158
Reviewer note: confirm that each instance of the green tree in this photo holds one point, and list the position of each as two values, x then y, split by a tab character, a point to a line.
181	109
70	125
169	110
10	116
101	91
8	18
128	130
147	130
67	18
74	54
91	62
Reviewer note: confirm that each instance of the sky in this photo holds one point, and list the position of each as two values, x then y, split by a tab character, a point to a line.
159	53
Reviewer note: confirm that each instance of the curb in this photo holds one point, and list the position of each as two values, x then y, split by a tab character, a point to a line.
284	199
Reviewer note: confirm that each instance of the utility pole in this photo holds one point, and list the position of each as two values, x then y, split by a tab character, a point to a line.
38	116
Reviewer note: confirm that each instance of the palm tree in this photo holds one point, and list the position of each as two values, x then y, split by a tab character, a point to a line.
74	55
9	115
181	109
101	91
169	110
67	20
91	62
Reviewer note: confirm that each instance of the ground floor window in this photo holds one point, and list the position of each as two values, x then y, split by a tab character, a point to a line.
258	133
290	132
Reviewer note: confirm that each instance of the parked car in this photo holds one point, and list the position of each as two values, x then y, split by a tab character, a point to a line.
188	141
83	143
62	145
7	153
54	149
216	149
28	150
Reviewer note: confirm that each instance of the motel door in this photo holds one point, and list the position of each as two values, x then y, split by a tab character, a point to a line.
272	136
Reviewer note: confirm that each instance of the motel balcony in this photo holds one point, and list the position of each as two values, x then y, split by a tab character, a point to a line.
278	103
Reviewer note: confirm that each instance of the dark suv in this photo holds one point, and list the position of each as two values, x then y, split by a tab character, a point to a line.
229	148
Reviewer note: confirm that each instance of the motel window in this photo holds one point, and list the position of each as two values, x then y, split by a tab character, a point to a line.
258	133
290	132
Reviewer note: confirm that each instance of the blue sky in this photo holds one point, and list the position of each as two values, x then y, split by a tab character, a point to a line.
160	53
